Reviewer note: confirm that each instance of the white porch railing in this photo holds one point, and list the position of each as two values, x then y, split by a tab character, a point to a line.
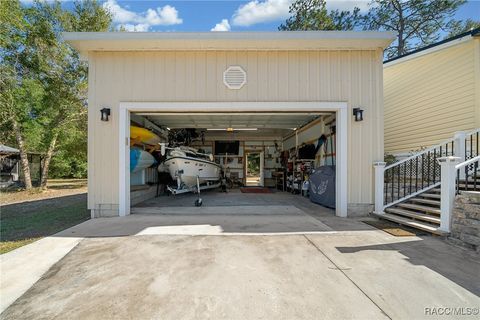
411	176
420	172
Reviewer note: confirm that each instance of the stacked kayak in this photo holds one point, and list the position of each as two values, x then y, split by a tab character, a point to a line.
139	158
143	136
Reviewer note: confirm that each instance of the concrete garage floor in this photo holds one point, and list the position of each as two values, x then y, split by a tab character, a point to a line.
294	260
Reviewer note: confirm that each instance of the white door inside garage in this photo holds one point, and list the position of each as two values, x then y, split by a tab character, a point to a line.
261	129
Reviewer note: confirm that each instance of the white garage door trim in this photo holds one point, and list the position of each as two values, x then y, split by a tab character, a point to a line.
341	109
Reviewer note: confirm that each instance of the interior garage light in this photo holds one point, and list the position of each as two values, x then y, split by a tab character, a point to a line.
232	129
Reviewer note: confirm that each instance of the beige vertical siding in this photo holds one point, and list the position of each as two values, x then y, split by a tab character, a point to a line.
351	76
430	97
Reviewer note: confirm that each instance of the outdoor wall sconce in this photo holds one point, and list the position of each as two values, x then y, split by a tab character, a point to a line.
358	114
105	113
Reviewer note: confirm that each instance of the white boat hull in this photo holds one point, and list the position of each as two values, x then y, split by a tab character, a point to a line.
186	170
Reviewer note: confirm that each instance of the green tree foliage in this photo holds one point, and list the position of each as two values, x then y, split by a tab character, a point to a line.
45	82
313	15
460	26
416	22
15	109
88	16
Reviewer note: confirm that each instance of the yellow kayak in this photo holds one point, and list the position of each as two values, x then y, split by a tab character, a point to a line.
143	136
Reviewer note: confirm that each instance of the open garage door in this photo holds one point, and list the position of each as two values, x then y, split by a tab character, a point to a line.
269	148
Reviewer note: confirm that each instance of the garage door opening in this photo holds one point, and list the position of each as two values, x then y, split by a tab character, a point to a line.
256	152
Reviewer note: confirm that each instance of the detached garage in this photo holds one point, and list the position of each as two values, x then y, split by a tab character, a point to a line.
270	108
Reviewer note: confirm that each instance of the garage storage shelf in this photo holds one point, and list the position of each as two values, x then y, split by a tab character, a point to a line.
295	185
280	182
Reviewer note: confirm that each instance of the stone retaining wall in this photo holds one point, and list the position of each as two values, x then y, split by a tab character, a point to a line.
466	221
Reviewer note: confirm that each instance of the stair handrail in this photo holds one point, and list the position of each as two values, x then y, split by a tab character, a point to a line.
466	163
417	173
411	176
420	153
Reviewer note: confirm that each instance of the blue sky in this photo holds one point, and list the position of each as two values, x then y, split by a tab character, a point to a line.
223	15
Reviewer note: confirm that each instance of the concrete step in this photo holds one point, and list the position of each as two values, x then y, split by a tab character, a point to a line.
414	215
426	201
418	207
469	186
411	223
430	195
435	190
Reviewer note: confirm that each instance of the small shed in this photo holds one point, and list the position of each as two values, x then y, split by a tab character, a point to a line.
10	167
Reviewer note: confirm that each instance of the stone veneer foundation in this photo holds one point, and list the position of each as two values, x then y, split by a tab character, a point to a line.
466	221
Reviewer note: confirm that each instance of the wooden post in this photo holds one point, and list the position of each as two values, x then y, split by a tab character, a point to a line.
447	201
379	186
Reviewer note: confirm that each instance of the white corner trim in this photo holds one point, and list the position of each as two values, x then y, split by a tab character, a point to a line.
341	183
340	107
124	162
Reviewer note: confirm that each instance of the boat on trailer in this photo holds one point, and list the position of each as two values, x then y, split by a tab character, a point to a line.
193	170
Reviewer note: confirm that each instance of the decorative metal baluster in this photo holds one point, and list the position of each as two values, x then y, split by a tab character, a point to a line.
475	168
471	148
404	178
385	186
477	152
411	178
398	183
416	174
423	170
428	168
458	183
393	183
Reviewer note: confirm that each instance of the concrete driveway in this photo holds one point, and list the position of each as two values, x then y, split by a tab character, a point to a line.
250	266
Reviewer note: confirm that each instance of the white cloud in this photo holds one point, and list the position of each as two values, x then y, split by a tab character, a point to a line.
222	26
133	21
347	5
261	11
141	27
165	16
257	11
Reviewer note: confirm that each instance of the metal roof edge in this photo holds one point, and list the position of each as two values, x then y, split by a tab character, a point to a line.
243	35
435	46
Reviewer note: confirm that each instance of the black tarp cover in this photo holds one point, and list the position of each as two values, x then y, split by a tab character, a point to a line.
322	186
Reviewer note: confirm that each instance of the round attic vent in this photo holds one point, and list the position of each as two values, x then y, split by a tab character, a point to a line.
234	77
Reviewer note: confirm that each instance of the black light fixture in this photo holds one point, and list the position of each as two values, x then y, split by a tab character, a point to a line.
358	114
105	114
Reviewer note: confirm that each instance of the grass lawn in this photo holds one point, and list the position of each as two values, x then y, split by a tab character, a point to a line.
25	222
